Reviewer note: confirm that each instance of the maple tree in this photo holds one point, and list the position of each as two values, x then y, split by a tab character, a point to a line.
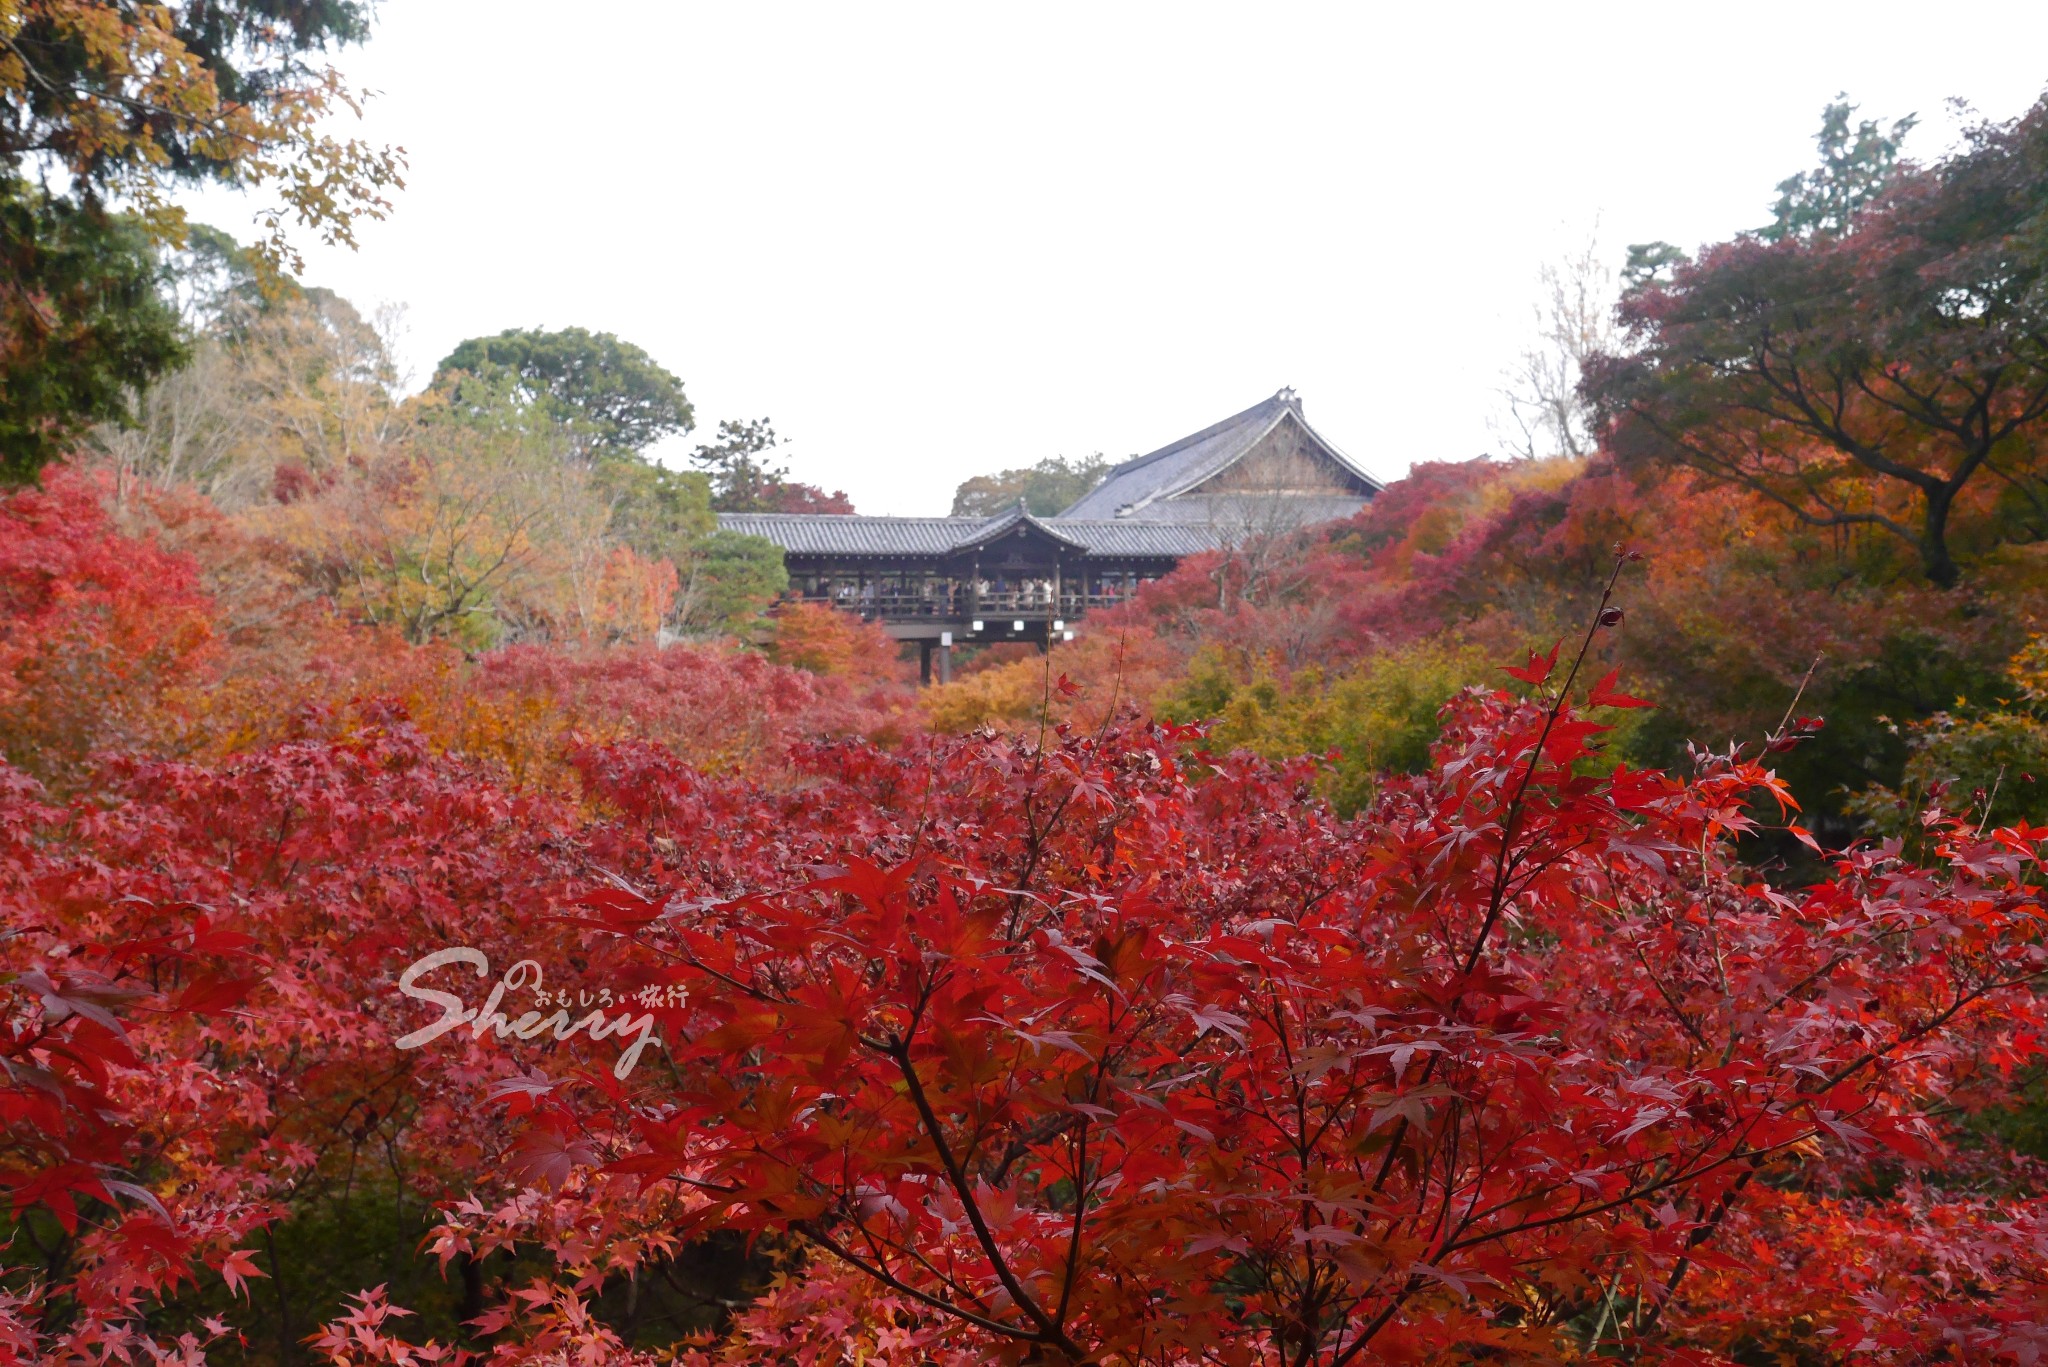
1520	1059
1354	632
1081	1085
98	627
815	638
1062	1014
1876	371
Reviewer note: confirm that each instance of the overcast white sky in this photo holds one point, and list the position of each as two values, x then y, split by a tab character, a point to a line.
932	241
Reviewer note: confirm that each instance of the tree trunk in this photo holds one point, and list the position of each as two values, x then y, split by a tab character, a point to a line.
1935	560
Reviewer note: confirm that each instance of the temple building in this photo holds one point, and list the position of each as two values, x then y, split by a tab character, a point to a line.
946	581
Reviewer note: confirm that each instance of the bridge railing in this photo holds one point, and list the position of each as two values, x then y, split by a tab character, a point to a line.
959	604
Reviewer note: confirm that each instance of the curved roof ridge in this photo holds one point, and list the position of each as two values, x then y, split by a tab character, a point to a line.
1215	429
1209	469
964	519
1142	477
1217	463
1337	452
1180	466
1017	515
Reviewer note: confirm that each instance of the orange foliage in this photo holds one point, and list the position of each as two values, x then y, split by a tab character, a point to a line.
632	594
165	627
1118	661
835	645
1476	560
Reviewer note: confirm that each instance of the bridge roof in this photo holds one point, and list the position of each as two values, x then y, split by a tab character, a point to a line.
831	534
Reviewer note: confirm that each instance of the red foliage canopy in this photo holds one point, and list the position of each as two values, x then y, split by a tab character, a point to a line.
1144	1067
1082	1047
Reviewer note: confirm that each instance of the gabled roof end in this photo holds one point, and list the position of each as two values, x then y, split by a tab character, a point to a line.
1179	466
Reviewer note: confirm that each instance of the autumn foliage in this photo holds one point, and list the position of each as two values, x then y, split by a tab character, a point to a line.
1057	1043
458	906
1174	1069
98	626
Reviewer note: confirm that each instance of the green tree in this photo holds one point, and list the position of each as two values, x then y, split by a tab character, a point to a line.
746	478
217	285
1650	263
656	510
728	580
1374	718
81	323
724	579
738	463
1046	488
1855	168
105	102
612	400
1986	759
615	393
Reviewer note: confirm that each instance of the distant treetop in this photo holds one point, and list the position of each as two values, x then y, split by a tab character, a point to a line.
624	398
1046	488
1855	168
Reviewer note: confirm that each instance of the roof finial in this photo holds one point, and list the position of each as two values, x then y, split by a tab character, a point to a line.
1288	397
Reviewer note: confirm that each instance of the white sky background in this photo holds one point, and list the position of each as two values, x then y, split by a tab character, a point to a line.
933	241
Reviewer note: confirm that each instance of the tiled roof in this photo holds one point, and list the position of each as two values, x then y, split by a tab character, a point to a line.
837	535
1139	486
1142	509
1240	515
1105	538
1001	524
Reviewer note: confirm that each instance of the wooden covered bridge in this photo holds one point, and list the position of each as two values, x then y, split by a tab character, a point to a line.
946	581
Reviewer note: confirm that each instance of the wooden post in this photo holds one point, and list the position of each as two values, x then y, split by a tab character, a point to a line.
924	661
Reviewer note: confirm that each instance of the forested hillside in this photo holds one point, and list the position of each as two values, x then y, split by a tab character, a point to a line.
1586	907
1826	438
